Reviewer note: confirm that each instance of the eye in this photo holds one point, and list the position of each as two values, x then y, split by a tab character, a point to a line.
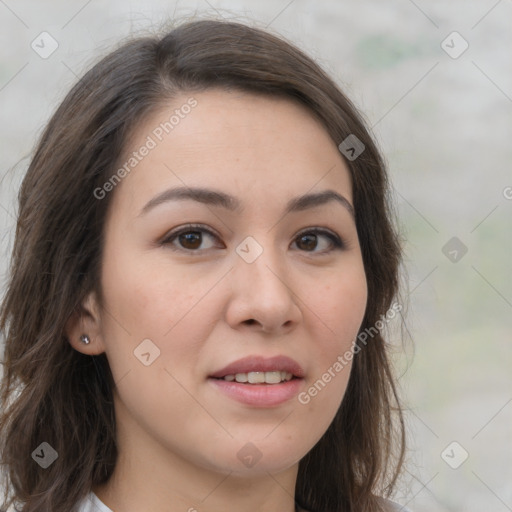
308	241
189	238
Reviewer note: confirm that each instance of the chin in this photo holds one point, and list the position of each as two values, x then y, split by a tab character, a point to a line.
248	459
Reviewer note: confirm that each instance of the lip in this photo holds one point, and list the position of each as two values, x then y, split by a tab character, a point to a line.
260	395
261	364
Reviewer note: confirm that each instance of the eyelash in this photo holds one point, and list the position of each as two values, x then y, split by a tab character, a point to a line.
336	242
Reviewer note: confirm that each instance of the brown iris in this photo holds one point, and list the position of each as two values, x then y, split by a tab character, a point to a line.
191	239
310	241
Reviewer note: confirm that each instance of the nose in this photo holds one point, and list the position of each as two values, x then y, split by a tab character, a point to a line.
262	296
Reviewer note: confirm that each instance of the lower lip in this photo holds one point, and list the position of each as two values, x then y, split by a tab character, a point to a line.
259	395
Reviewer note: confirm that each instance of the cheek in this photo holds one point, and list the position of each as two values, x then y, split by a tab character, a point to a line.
340	307
160	305
337	310
156	302
149	297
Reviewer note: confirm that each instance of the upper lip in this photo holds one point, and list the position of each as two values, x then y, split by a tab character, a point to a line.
261	364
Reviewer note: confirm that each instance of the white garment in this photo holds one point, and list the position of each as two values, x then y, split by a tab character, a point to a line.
92	503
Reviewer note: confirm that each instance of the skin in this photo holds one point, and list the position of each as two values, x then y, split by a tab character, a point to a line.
178	435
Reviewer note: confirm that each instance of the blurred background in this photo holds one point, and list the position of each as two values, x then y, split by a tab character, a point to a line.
433	82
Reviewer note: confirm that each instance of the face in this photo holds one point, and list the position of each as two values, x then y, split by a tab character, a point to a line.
257	276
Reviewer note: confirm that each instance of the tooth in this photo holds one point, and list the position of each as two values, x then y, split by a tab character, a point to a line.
256	377
273	377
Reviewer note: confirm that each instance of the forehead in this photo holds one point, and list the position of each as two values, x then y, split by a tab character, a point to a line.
250	145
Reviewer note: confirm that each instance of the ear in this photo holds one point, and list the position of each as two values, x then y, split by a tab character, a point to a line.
86	320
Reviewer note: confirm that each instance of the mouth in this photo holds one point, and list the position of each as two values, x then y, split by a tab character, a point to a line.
272	377
259	381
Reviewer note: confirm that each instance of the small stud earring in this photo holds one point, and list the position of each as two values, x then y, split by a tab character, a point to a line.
85	339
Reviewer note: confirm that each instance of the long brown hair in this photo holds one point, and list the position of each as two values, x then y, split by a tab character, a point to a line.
51	392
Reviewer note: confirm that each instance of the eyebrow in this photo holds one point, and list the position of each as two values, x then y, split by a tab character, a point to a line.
217	198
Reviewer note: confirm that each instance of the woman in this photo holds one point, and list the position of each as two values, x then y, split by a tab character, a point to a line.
203	260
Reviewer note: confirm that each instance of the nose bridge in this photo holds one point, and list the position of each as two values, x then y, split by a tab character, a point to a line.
260	265
261	290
